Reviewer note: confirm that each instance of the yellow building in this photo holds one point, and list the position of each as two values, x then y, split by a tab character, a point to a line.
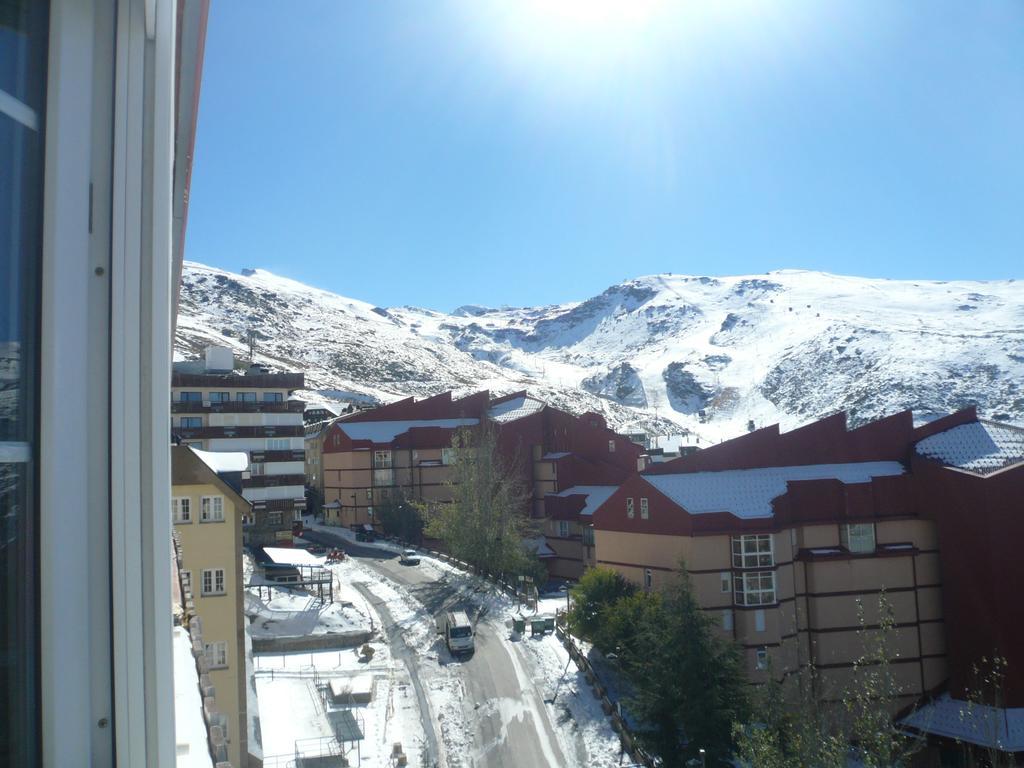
207	515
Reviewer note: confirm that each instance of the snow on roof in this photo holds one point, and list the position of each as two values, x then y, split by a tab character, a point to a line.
292	556
386	431
974	723
748	493
516	408
540	545
979	446
227	461
596	495
190	735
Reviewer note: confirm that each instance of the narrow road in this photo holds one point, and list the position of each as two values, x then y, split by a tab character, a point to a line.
512	724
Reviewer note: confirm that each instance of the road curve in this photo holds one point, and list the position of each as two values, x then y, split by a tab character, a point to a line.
511	722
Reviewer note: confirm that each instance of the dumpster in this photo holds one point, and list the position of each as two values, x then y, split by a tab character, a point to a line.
519	625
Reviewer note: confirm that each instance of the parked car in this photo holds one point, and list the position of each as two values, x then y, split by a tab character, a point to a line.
409	557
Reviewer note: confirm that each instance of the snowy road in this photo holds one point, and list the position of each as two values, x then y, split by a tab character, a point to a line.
490	697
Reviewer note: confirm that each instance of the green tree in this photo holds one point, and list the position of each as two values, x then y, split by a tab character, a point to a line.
597	590
400	518
485	523
689	683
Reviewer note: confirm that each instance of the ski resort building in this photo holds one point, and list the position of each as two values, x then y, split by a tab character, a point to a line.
207	510
404	449
213	408
788	537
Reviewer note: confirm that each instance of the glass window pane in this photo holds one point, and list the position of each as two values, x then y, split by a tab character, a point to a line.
23	32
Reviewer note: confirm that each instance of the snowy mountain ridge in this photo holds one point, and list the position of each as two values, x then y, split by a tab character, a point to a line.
704	354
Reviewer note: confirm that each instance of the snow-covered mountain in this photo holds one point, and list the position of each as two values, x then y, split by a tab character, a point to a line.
705	354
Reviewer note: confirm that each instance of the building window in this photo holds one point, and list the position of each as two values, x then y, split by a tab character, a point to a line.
190	397
611	446
588	536
629	507
369	494
248	520
648	578
382	459
727	619
245	397
186	582
256	469
644	509
726	579
759	620
211	509
275	518
181	510
762	658
752	551
190	422
858	538
369	512
213	581
278	444
273	397
563	528
220	397
447	456
297	515
217	654
755	588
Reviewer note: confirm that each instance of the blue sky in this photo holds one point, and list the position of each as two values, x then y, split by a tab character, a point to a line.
533	151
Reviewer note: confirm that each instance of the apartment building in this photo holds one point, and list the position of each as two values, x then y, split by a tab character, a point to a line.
215	408
785	536
98	102
207	509
405	448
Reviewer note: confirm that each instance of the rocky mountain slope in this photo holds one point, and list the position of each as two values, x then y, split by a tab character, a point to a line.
666	353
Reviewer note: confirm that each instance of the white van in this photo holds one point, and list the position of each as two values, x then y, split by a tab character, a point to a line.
458	632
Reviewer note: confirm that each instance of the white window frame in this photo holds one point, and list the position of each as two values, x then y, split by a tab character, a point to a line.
726	581
755	588
630	513
217	577
854	536
727	619
210	512
447	456
761	658
563	528
275	518
611	446
382	459
181	510
645	510
217	654
186	581
648	578
275	444
749	551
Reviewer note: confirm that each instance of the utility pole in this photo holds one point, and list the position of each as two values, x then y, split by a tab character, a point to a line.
250	337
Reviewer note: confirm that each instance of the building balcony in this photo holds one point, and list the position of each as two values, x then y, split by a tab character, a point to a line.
211	433
238	406
274	481
279	505
266	457
289	381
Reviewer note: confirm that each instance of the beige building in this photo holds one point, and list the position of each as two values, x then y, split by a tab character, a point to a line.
790	597
207	513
